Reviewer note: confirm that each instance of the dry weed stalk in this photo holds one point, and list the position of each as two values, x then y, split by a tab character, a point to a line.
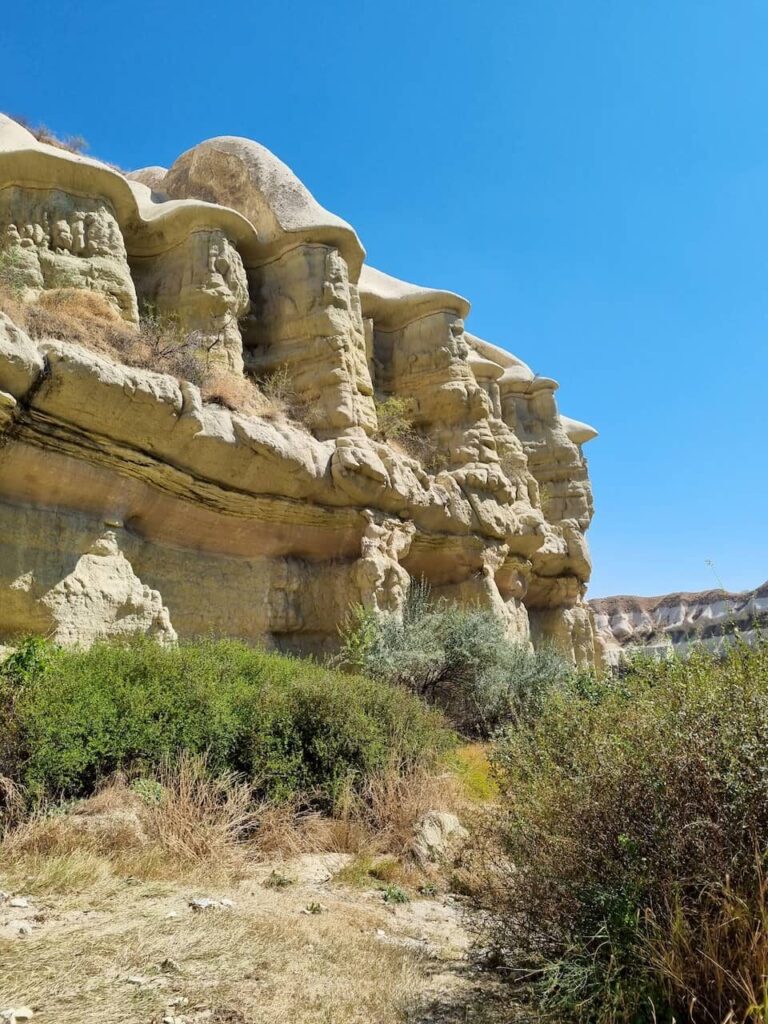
712	955
184	819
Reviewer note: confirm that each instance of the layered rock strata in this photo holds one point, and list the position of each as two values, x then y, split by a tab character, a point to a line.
672	624
129	503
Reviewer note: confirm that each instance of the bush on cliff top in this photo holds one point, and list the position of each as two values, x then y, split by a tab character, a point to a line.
634	818
69	718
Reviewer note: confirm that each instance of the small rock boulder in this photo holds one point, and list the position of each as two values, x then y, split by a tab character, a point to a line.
437	837
19	1013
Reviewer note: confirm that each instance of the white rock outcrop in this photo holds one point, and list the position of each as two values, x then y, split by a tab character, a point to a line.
675	622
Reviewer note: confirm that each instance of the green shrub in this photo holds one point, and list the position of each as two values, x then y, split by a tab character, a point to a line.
635	831
396	894
458	658
14	273
395	418
148	790
69	718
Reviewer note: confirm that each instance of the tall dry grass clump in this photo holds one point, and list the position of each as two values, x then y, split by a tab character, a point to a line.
69	143
197	817
179	819
712	952
392	802
183	820
379	817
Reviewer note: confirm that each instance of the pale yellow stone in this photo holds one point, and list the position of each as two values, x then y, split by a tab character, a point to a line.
128	504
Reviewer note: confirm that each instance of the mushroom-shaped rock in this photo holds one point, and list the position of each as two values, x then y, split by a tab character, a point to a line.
521	378
148	224
484	369
577	431
517	375
493	352
392	303
243	174
152	177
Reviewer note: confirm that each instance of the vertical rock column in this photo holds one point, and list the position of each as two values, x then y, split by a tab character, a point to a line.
421	354
200	283
51	239
562	566
305	321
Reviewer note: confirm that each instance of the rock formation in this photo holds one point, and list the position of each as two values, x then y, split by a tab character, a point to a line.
673	623
127	502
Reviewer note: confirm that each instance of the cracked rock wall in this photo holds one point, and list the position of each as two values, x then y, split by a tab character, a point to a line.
128	503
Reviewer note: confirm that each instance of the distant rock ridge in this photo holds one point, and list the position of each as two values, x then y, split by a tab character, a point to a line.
673	622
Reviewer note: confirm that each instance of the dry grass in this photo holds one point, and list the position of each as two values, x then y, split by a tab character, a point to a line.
67	314
70	143
393	802
89	318
380	819
287	830
184	821
284	402
712	955
240	394
263	961
200	819
190	823
103	876
12	804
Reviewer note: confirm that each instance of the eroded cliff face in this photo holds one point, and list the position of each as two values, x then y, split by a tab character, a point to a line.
128	503
673	623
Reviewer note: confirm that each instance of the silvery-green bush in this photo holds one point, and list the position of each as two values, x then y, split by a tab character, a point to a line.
456	657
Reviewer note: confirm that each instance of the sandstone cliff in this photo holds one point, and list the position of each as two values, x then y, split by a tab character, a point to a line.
130	502
662	625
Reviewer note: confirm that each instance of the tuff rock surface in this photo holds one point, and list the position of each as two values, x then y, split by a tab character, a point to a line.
674	622
128	503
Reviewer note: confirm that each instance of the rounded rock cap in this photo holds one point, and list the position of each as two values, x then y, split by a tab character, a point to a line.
577	431
393	303
152	177
484	369
246	176
149	225
517	376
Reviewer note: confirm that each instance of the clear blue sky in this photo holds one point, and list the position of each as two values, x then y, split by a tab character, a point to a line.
592	175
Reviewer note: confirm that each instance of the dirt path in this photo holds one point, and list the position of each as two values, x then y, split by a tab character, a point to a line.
288	943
